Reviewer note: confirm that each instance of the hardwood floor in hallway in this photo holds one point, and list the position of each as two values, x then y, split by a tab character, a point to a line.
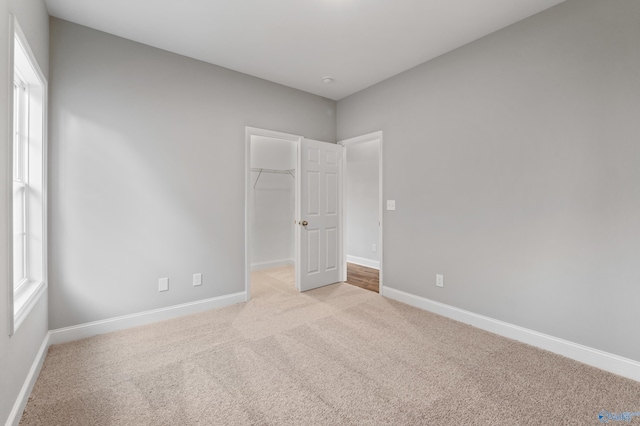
363	277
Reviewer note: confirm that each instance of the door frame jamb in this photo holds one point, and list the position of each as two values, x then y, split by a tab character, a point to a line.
370	137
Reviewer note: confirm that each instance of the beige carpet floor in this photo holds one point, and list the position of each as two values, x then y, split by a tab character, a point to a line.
338	355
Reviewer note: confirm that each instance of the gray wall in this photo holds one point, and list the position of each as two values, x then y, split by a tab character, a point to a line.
514	163
147	154
361	200
18	352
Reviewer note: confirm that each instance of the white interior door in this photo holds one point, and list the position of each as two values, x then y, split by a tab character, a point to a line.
319	237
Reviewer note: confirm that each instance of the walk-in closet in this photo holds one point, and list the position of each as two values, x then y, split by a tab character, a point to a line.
272	202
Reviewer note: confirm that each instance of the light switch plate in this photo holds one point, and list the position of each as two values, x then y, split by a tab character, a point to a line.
163	284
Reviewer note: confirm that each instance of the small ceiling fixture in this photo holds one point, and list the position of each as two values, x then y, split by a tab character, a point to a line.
327	80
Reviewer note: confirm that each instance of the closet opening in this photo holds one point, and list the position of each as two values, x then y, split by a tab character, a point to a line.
304	228
271	209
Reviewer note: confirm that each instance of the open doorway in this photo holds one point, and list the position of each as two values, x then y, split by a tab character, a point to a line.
293	189
363	211
271	222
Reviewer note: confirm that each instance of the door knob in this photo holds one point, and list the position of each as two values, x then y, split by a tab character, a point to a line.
304	223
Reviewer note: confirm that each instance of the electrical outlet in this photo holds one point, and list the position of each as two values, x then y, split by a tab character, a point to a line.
374	247
197	279
163	284
439	280
391	204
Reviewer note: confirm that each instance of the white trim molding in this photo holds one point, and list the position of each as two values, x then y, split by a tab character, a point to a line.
24	62
594	357
23	397
369	263
76	332
31	297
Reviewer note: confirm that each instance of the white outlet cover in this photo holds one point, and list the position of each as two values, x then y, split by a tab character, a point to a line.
440	280
374	248
391	204
197	279
163	284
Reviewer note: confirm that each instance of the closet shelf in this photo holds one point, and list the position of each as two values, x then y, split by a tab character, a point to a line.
260	171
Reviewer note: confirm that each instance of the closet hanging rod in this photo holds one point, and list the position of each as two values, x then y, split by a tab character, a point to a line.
281	171
278	171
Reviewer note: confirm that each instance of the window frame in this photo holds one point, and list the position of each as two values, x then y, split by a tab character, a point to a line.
20	178
28	153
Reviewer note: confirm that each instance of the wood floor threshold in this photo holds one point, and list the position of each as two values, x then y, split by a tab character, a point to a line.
363	277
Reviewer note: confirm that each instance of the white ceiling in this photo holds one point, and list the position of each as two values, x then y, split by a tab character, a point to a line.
298	42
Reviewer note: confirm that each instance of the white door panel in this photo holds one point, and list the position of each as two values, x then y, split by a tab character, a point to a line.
319	240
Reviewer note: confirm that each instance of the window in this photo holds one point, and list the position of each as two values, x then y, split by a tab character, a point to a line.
28	212
20	184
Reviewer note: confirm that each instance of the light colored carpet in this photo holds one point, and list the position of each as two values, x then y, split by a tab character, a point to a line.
333	356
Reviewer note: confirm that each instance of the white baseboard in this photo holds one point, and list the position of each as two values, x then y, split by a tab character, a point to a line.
271	264
21	402
363	262
68	334
596	358
76	332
